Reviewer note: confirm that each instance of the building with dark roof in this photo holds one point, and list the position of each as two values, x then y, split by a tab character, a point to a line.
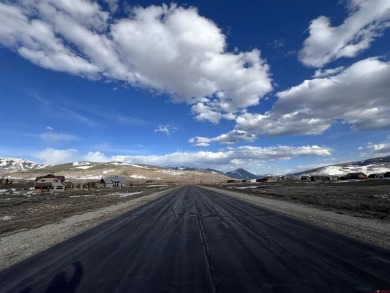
110	182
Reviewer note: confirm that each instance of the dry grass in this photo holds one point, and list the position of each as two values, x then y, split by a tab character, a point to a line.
17	211
367	199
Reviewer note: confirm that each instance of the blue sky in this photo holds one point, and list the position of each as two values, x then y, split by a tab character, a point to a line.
270	86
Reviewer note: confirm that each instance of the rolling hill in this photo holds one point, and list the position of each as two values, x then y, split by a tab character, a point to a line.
92	171
369	166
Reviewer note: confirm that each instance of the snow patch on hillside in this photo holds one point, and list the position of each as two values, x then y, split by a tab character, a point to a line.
83	177
84	167
17	164
138	176
343	170
83	163
173	172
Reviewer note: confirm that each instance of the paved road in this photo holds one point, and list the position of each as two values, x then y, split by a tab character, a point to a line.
195	240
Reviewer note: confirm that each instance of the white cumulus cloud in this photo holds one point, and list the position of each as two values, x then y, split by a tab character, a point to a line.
232	137
357	95
96	157
166	129
165	49
327	72
366	21
380	148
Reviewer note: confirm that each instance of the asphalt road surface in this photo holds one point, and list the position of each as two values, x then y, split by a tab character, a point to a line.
195	240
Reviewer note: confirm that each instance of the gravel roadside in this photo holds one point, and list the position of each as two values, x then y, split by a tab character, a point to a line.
23	244
374	231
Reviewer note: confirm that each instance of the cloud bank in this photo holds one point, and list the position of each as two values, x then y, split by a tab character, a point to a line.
165	49
224	159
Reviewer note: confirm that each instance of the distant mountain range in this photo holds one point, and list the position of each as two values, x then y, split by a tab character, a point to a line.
20	169
236	174
23	168
369	166
85	170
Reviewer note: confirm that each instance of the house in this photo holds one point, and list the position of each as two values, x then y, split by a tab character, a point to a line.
357	175
49	182
110	182
269	179
331	178
376	176
315	178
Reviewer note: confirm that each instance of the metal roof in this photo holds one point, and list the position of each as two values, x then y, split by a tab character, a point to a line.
114	179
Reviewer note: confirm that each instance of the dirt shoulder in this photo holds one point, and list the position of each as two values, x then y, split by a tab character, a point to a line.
372	230
21	244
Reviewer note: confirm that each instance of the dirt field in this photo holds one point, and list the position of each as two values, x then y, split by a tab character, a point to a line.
365	199
19	211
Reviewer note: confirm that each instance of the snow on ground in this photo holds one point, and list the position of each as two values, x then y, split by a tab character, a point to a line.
128	164
81	163
83	167
118	163
138	166
108	171
173	172
344	170
18	164
86	177
138	176
126	194
245	187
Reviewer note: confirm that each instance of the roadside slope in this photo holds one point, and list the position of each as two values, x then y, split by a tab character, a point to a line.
19	246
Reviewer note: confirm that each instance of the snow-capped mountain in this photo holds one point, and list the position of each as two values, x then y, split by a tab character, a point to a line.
86	171
241	174
369	166
11	165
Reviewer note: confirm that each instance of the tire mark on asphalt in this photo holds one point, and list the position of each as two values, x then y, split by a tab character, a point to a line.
197	241
205	247
339	265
